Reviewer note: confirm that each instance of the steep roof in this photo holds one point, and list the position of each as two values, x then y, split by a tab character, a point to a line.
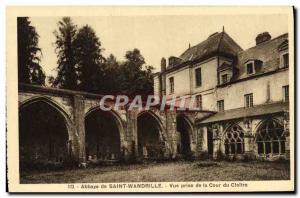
216	44
267	52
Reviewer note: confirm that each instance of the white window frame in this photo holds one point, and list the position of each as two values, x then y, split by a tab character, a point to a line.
199	101
253	67
282	63
248	104
284	89
218	105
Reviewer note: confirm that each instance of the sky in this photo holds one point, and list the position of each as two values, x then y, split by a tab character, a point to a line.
158	36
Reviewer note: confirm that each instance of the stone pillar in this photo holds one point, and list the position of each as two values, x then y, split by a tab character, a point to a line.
217	145
286	126
132	136
201	142
172	133
248	139
79	124
249	146
193	141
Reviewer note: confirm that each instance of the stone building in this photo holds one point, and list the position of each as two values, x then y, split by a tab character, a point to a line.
243	96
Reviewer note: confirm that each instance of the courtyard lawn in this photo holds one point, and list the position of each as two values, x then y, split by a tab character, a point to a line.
166	172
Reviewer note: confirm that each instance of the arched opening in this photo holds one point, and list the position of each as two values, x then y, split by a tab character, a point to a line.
102	136
234	140
184	142
150	142
270	138
43	136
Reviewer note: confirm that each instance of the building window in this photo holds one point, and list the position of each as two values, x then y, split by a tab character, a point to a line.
285	59
224	78
198	77
249	100
250	69
199	101
270	138
220	105
285	91
234	141
171	81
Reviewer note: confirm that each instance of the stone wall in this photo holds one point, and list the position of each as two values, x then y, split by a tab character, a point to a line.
75	107
250	129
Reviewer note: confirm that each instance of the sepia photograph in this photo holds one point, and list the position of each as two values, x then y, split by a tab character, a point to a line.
150	99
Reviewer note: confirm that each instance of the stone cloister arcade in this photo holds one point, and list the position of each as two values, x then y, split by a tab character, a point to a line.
58	126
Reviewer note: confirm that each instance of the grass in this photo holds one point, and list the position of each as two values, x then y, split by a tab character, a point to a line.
166	172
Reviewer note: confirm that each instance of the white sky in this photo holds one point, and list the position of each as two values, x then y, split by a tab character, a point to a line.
159	36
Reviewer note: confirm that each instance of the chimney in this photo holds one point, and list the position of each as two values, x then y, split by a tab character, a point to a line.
163	65
262	37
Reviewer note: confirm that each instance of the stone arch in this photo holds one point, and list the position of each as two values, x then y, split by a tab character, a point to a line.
231	124
189	122
115	120
153	114
113	112
269	138
152	140
44	143
233	140
186	137
261	122
50	102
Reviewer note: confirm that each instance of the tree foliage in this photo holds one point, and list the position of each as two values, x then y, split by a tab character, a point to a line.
111	75
81	65
29	54
88	60
66	71
134	79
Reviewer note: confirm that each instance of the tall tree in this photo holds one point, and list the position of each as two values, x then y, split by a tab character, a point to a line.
66	72
111	76
89	61
29	54
134	79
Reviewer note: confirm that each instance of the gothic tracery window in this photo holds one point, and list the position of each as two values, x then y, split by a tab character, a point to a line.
270	138
234	141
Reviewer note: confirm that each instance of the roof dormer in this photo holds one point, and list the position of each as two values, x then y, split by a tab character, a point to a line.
253	66
225	73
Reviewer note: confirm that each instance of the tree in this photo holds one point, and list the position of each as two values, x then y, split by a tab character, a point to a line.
111	75
134	79
66	72
88	58
29	54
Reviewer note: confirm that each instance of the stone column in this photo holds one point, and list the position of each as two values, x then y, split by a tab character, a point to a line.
248	139
171	131
286	126
193	140
132	136
216	141
201	142
79	124
216	147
